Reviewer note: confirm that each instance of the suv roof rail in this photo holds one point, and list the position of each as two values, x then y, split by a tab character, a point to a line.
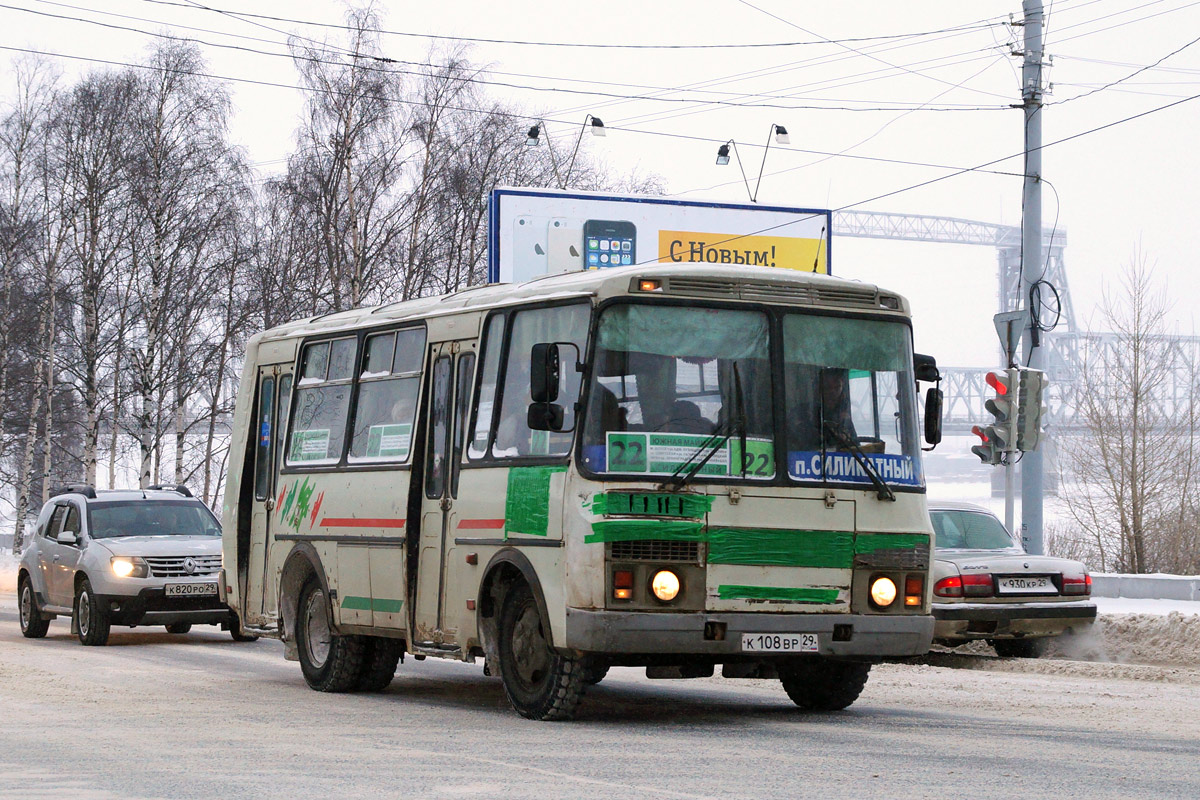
87	490
178	488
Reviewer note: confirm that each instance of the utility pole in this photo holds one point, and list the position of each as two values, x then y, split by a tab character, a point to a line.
1032	260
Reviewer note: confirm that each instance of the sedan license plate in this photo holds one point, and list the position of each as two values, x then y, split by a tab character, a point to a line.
1039	584
779	643
209	588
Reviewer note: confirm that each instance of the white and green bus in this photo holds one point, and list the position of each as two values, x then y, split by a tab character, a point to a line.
671	467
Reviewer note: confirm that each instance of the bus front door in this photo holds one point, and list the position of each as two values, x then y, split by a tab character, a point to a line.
452	371
274	390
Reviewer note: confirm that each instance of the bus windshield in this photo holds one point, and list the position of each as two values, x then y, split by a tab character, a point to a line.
674	386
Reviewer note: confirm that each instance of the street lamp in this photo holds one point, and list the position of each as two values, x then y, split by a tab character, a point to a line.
723	159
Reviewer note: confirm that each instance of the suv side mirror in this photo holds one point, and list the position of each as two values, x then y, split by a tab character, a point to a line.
545	372
933	416
68	537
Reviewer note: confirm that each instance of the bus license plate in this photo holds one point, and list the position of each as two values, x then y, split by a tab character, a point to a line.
779	643
190	589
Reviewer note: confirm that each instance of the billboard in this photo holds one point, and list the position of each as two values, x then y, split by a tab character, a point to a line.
536	232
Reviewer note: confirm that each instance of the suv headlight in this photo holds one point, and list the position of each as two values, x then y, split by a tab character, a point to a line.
130	567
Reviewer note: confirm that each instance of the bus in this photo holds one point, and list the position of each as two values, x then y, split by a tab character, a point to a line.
675	467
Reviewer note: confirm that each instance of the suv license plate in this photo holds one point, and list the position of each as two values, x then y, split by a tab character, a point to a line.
190	589
779	643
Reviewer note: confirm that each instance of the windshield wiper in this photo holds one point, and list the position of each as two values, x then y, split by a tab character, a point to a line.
883	491
713	443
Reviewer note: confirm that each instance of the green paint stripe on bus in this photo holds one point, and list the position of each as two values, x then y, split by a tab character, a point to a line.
870	542
633	530
527	507
781	548
782	593
381	604
651	504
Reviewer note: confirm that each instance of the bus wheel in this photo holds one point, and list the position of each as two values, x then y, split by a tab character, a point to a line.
822	685
330	663
594	671
379	663
540	683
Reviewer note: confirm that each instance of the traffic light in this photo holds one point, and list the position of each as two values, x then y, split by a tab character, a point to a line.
1030	397
986	449
1002	433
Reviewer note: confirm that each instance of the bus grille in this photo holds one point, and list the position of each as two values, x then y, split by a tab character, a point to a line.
655	550
173	566
774	292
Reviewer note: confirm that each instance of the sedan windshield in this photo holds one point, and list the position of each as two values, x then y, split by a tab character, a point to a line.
115	518
970	530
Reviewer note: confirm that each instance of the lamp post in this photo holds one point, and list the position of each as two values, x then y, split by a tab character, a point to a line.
778	132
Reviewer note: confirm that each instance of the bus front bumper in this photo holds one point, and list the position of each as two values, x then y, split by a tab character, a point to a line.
720	634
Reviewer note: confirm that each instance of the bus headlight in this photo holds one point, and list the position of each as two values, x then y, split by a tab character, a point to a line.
124	567
665	585
883	592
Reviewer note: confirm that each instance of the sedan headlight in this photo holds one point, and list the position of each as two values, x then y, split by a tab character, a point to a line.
129	567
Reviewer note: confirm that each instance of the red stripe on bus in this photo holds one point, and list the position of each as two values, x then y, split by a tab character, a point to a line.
361	522
480	524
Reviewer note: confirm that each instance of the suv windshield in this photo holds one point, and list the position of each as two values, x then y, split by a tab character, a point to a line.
671	383
970	530
150	518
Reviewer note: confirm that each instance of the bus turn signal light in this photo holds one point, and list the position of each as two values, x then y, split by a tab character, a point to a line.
623	585
914	590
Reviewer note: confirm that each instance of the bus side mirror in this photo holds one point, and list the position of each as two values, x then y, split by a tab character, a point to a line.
925	368
545	417
544	374
933	416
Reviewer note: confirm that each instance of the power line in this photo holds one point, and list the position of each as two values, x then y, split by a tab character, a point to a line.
503	84
1133	74
481	40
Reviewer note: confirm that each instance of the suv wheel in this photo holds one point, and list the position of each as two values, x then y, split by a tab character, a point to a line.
33	624
91	618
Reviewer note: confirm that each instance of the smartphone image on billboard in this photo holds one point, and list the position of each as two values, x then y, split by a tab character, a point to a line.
564	244
609	243
528	257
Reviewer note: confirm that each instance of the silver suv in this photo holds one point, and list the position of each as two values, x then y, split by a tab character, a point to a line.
143	557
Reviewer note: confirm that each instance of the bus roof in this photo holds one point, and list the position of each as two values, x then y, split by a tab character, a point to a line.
690	280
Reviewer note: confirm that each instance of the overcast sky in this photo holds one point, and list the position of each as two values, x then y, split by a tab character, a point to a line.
1132	186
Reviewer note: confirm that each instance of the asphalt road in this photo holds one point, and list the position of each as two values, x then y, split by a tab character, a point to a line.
199	716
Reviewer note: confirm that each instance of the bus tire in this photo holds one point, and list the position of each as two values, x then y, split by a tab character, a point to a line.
33	624
91	618
330	663
179	627
381	655
540	683
821	685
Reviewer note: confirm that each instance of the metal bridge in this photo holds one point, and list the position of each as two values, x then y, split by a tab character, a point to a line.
1068	349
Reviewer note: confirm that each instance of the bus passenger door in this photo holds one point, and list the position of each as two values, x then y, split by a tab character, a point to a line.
452	371
274	389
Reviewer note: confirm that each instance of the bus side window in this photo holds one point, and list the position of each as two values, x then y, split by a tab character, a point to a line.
388	384
322	403
462	405
492	346
266	435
